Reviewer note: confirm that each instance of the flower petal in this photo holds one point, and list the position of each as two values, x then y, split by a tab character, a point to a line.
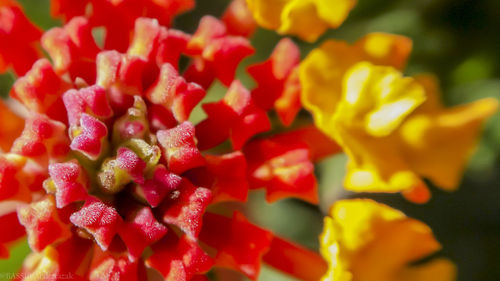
364	240
287	16
11	128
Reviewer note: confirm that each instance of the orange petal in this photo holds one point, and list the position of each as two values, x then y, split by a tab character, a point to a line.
12	126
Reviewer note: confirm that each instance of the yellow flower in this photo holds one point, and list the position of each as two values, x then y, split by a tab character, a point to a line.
374	103
367	241
438	141
307	19
392	137
322	72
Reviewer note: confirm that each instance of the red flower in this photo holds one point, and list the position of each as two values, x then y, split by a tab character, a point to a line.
18	36
111	168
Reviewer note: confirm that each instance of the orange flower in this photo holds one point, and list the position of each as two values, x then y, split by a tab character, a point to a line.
12	126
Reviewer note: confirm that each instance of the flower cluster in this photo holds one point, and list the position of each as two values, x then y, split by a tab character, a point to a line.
114	179
394	129
104	172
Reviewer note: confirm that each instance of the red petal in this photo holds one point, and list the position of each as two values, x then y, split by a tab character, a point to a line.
185	208
72	49
116	173
199	278
10	172
100	220
156	44
111	268
319	145
15	28
67	9
285	170
185	101
42	139
295	260
174	93
284	58
134	124
16	231
160	118
91	100
226	54
154	190
40	89
4	252
194	258
42	223
118	17
19	177
90	138
74	256
70	182
235	113
140	230
239	19
172	45
216	54
277	80
288	105
201	72
240	245
145	41
209	28
179	259
131	163
226	175
179	148
122	75
210	132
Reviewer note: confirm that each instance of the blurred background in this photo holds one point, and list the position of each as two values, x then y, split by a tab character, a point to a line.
459	41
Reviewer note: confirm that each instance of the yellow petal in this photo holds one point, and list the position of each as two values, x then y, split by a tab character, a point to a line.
385	49
355	221
437	269
300	18
267	13
367	241
378	175
438	144
433	101
393	135
307	19
377	98
321	76
323	70
375	101
438	141
334	12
